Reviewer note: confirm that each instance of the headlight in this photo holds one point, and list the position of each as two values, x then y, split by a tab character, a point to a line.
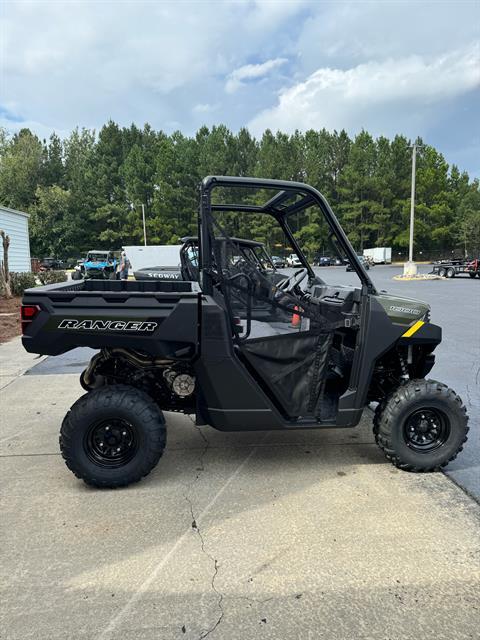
426	316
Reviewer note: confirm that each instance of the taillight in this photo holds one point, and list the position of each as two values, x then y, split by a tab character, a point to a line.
28	313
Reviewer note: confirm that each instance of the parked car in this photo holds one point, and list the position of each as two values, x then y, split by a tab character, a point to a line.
293	260
323	261
51	264
362	260
278	262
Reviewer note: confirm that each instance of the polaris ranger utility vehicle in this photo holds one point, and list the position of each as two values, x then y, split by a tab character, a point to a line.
319	355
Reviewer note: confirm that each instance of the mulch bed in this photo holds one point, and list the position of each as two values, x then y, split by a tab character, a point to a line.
10	318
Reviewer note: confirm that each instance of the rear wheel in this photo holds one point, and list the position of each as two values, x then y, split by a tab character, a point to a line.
442	272
421	426
450	272
113	436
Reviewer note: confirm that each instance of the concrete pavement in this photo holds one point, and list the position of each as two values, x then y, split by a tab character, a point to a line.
14	361
308	534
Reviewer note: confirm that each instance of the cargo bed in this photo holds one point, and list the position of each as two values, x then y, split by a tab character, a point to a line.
155	317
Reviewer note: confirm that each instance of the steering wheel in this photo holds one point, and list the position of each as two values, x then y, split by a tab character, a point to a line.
288	284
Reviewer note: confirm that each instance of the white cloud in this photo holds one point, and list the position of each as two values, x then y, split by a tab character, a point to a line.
345	34
251	72
80	63
180	64
402	89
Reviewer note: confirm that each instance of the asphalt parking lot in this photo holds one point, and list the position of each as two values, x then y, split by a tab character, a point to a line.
269	535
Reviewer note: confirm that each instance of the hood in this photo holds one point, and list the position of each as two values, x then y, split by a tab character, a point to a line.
401	310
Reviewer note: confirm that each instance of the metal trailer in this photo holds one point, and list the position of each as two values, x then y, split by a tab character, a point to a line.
454	268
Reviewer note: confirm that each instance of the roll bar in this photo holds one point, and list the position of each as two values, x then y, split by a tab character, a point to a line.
281	205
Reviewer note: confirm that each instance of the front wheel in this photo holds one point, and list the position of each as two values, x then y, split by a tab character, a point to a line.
421	426
113	436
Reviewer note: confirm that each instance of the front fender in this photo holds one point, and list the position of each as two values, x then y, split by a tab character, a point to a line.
422	333
421	340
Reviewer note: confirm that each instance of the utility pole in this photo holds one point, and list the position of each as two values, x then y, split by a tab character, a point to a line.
144	226
412	203
410	268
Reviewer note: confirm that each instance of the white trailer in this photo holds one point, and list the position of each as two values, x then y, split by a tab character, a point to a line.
379	255
142	257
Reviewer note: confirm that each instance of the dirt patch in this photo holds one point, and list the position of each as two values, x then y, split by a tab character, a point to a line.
10	318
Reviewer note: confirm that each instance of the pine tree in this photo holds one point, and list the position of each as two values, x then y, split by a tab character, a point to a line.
79	190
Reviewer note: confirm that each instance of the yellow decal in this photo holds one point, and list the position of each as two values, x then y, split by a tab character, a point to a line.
413	329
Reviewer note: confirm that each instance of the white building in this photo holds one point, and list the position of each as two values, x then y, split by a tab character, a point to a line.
15	224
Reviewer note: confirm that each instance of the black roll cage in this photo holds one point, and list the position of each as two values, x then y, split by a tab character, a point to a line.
273	206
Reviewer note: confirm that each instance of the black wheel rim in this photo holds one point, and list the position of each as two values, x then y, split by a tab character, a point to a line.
111	443
426	430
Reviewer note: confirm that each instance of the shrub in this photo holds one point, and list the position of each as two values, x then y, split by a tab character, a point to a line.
21	281
51	277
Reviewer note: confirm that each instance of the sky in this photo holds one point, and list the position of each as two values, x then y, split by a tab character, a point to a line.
389	67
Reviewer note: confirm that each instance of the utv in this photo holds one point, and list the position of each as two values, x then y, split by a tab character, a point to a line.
98	264
242	352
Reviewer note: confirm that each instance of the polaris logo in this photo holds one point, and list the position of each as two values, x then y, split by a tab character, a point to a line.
108	325
413	312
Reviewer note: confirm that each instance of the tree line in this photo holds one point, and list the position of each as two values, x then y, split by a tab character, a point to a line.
84	191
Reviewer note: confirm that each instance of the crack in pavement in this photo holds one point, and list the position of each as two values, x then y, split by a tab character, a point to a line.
116	620
196	529
254	600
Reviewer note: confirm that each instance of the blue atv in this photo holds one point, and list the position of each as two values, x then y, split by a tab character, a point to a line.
99	265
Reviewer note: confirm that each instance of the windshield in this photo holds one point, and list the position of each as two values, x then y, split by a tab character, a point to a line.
97	257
